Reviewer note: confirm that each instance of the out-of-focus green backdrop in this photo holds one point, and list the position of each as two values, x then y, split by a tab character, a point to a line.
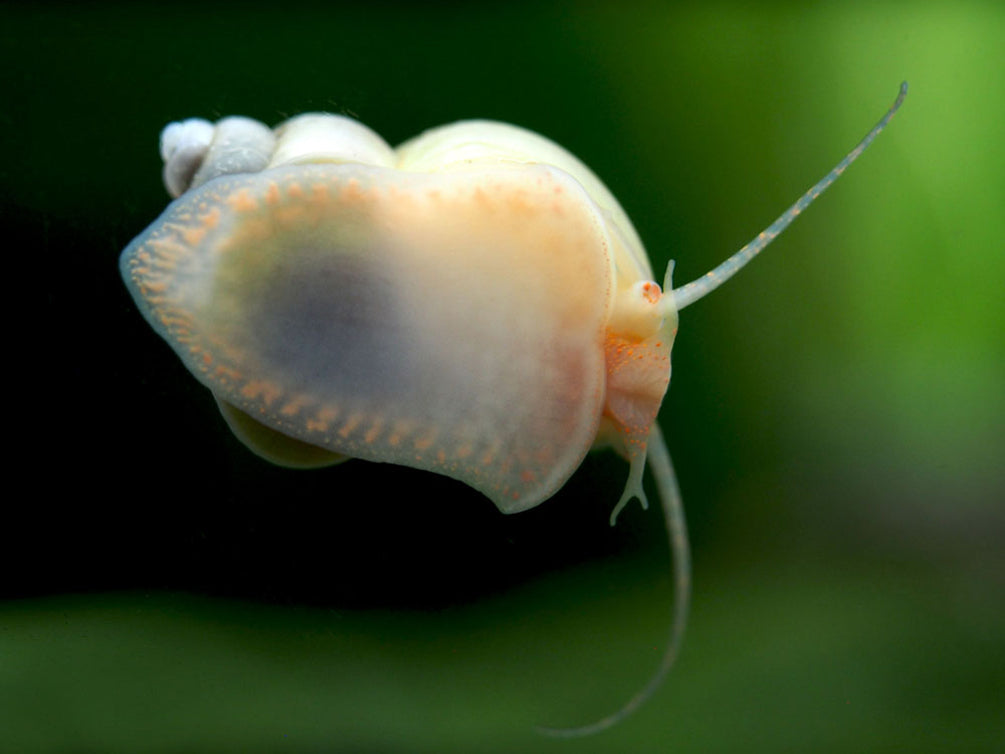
837	413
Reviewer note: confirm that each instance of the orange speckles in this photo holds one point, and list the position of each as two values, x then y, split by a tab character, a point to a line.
425	442
374	432
272	197
320	421
480	197
351	423
316	425
166	251
168	259
399	432
319	193
193	236
296	405
242	201
211	218
224	373
264	390
352	192
395	194
172	320
520	204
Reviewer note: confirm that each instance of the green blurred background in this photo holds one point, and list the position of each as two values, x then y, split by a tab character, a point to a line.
837	413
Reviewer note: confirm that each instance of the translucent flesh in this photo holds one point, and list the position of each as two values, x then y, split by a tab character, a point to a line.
452	322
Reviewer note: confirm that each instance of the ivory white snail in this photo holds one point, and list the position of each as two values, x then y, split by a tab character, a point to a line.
474	302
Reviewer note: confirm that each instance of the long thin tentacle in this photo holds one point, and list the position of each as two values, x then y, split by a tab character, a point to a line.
691	292
680	556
